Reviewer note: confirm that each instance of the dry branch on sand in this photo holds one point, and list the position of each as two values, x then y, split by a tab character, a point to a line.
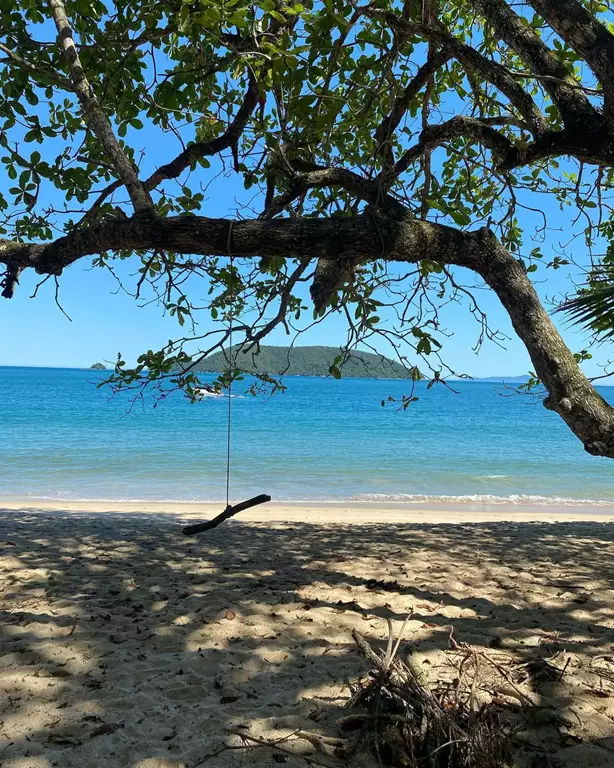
409	724
477	717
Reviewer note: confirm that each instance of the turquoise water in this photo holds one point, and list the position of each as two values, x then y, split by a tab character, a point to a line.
323	439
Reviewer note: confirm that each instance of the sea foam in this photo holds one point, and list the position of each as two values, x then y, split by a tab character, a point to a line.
486	499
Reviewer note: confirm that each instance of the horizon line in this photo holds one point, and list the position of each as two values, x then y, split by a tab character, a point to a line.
456	379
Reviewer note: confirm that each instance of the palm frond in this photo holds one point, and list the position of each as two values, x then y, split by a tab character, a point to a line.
593	306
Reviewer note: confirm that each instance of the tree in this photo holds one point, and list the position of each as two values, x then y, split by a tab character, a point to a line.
387	144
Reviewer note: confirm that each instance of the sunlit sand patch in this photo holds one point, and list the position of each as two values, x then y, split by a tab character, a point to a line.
34	761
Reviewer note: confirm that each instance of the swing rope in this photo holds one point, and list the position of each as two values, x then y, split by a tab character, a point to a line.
230	373
190	530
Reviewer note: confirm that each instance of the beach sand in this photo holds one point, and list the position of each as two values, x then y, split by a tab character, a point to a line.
125	644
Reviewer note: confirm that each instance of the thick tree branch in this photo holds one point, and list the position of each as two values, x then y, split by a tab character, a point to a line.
291	238
501	78
363	238
364	189
588	37
212	147
469	127
576	109
96	116
583	146
570	393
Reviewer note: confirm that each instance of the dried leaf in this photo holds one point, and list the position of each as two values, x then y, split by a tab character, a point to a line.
64	740
105	729
61	673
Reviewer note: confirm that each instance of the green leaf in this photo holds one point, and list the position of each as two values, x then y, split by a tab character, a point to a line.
277	16
460	218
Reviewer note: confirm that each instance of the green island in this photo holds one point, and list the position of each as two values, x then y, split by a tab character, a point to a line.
306	361
98	367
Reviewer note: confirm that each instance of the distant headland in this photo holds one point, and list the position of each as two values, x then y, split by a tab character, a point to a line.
98	367
306	361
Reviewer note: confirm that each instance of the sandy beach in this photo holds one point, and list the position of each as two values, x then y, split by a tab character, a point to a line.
125	644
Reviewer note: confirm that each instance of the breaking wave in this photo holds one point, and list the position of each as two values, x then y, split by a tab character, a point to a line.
485	499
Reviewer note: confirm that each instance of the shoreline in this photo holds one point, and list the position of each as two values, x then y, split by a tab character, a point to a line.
317	512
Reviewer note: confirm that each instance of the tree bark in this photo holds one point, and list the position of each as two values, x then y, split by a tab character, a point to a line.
588	36
573	104
570	393
94	113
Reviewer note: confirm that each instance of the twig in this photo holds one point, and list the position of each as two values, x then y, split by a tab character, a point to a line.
19	61
276	746
523	697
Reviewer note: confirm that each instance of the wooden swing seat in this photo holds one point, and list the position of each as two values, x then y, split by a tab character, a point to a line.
230	510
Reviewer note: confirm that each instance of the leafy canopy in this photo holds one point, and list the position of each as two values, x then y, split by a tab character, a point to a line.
432	105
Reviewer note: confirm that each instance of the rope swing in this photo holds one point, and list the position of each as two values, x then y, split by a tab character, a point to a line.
230	510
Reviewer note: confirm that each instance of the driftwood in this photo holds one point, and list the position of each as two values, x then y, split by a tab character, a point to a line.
230	510
407	723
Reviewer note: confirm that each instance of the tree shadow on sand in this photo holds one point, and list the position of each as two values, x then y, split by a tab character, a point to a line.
123	643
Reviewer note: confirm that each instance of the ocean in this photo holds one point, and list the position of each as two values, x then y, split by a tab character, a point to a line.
322	440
